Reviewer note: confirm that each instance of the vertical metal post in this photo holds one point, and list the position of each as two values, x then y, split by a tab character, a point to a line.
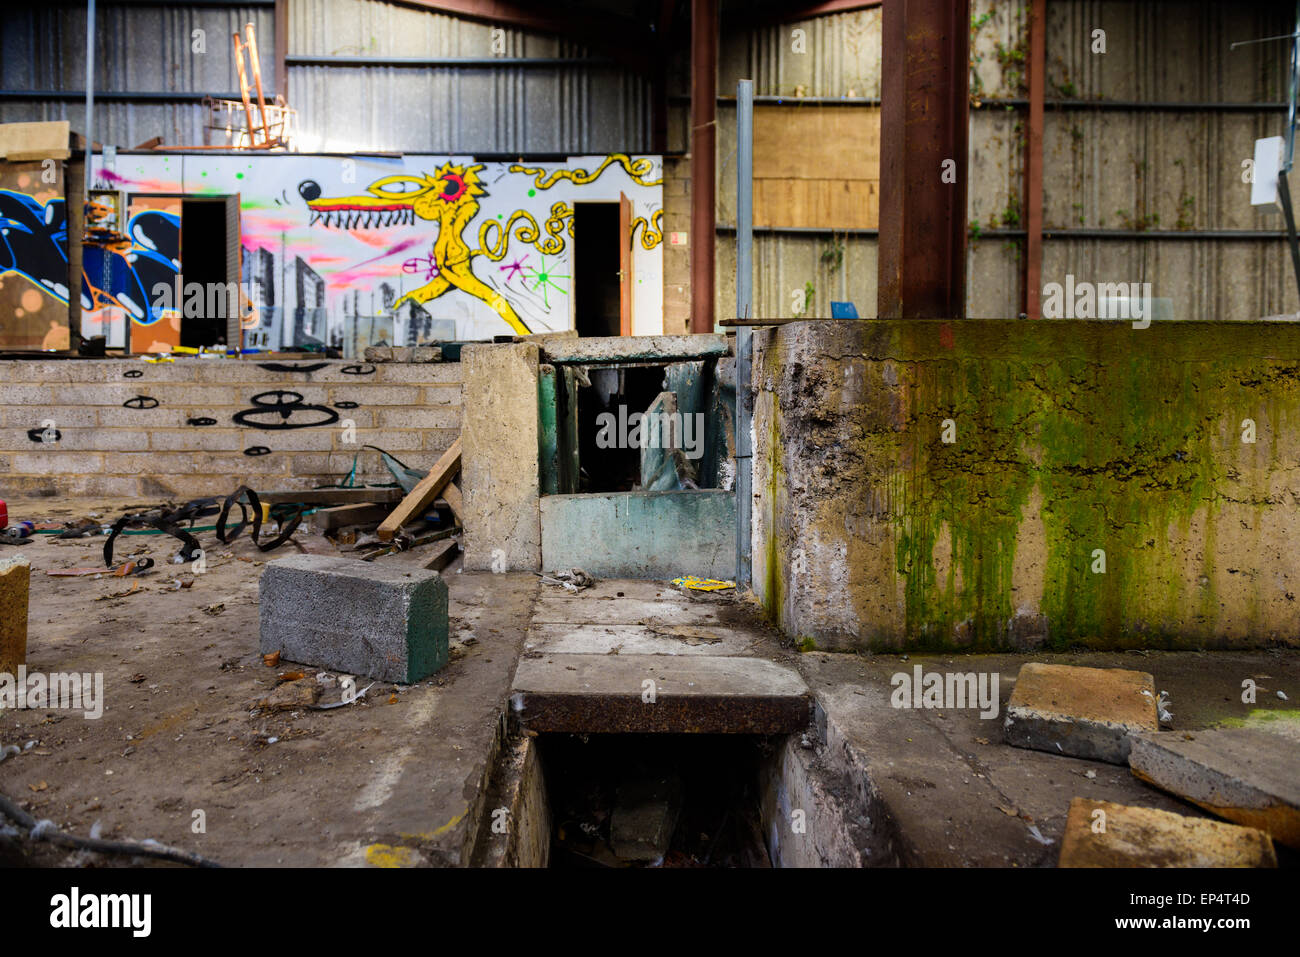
90	89
704	139
744	334
925	87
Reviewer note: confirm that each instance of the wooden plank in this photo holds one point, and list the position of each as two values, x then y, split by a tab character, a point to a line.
816	142
424	493
837	204
34	141
364	513
454	502
333	496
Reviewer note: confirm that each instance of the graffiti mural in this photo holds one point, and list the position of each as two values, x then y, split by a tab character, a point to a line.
33	257
347	252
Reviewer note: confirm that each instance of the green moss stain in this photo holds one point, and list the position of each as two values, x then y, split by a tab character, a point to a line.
773	578
1130	451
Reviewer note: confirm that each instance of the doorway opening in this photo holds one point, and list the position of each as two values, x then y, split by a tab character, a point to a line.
203	255
597	263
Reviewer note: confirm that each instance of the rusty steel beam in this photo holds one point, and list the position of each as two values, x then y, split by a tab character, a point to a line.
923	132
704	141
1034	161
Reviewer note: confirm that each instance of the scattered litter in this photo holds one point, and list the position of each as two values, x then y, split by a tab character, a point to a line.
340	704
570	579
138	679
120	594
1090	774
9	749
134	567
272	659
1282	695
1038	836
702	584
216	609
1165	716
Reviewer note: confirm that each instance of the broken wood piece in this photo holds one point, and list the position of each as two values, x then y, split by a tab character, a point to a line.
333	496
341	516
424	493
451	494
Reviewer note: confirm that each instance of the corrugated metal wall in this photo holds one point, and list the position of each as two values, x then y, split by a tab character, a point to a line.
568	108
139	49
1105	168
564	108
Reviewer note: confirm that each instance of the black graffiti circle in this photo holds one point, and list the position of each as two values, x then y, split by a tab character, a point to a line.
277	412
133	373
358	370
257	450
346	404
44	435
201	420
141	402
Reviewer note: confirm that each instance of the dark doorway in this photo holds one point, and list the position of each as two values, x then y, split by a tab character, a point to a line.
203	255
597	282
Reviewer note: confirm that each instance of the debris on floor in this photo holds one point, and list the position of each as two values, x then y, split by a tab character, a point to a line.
702	584
1103	834
1082	712
1244	775
570	579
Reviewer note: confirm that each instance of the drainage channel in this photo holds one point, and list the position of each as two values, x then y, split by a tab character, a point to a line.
592	800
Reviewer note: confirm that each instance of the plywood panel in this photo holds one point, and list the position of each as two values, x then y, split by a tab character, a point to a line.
816	142
817	166
835	204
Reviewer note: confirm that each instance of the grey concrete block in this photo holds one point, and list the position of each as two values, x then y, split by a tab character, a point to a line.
369	619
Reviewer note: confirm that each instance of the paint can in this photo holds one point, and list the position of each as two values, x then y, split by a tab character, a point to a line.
25	529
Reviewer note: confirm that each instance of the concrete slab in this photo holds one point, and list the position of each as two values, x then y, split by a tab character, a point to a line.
1085	712
367	618
1245	775
658	693
707	639
15	585
594	349
559	607
655	535
1103	834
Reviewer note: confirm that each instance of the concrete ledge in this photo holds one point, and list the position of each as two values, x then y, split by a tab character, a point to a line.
597	349
658	693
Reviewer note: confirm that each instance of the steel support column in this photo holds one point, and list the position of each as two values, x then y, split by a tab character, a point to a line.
923	134
704	140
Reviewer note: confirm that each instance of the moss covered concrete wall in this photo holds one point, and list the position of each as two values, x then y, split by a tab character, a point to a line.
997	484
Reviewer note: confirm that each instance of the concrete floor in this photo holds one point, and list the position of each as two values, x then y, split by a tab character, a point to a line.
397	779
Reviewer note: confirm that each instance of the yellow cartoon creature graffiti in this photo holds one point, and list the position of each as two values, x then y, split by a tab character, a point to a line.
450	198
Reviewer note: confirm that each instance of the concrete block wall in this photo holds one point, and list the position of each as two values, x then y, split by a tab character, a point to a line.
1002	484
106	448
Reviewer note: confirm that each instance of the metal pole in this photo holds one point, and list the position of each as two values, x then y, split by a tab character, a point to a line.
744	335
90	89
